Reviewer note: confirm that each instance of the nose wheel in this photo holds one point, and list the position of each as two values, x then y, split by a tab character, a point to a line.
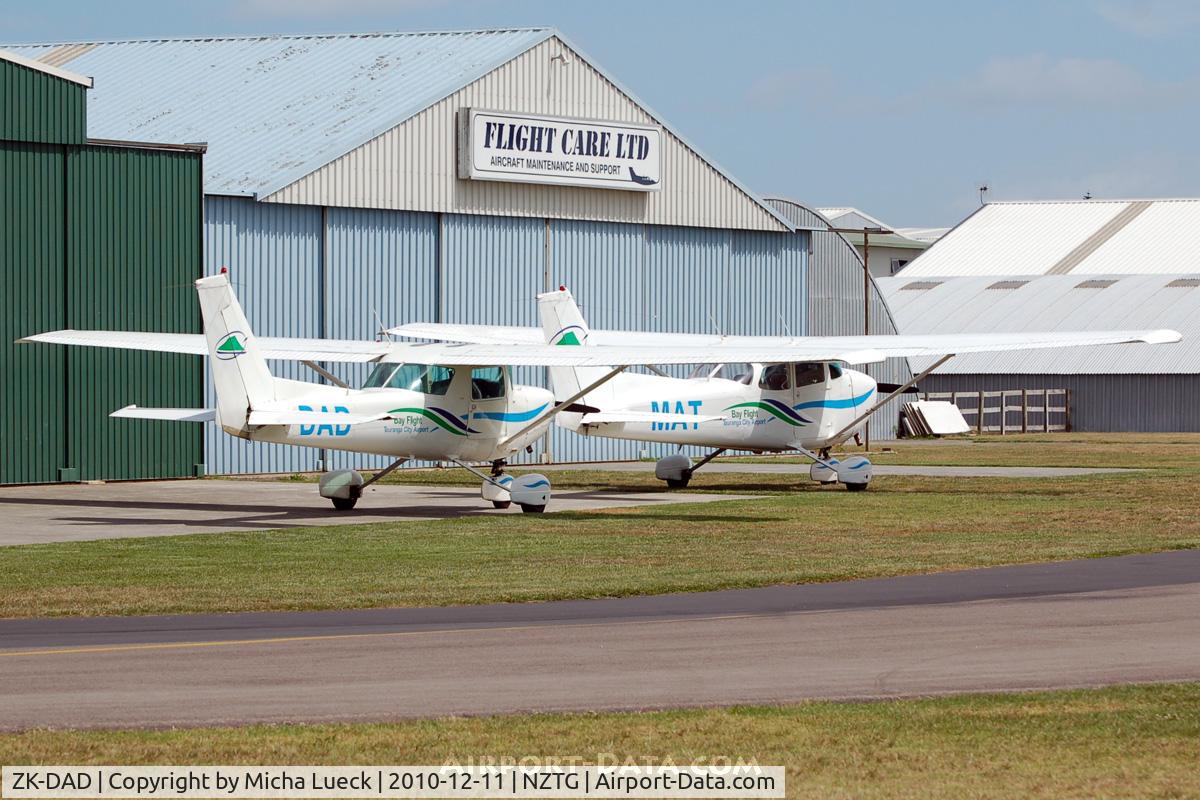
530	492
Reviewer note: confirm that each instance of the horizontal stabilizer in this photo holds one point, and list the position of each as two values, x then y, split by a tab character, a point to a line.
645	416
171	414
292	416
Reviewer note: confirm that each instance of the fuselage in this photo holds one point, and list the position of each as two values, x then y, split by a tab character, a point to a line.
451	413
765	407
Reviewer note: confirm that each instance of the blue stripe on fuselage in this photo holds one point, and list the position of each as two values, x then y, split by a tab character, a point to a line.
848	402
511	416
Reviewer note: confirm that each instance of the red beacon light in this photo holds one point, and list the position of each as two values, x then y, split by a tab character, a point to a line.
224	270
562	288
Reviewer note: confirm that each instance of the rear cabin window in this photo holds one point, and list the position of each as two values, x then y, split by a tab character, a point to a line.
776	377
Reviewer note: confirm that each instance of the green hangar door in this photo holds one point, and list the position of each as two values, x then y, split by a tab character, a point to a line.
92	236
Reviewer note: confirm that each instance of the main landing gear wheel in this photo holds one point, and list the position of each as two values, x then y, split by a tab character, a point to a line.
501	503
532	509
680	483
344	503
857	487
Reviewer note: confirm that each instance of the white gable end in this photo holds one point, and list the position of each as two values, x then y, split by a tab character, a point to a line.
413	166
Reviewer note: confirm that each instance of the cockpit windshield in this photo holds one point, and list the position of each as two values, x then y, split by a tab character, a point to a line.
424	378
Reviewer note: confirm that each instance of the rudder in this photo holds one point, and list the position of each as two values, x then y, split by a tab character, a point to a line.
240	375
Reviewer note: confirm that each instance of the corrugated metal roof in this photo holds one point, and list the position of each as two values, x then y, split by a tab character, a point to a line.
1054	303
274	108
853	218
1076	237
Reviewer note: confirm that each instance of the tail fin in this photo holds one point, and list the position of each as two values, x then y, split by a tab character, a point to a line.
563	324
240	375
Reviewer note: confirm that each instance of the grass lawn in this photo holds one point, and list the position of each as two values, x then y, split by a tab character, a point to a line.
796	532
1132	742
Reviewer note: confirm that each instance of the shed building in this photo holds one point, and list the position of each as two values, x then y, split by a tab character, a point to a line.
345	188
1134	387
93	234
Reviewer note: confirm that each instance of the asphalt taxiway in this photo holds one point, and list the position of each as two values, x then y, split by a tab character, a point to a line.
74	512
1067	624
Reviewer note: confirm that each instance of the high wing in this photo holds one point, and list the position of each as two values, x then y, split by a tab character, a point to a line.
193	343
483	334
545	355
735	348
626	348
466	355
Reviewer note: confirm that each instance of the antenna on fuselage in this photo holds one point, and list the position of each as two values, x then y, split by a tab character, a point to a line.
783	322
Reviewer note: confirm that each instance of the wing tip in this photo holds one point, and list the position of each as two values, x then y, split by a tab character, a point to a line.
1162	336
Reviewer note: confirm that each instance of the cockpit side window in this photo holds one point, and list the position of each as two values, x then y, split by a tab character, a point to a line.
835	370
487	383
810	372
776	377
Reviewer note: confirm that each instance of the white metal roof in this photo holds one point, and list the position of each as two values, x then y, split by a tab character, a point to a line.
274	108
853	218
1076	237
66	75
982	304
926	235
847	217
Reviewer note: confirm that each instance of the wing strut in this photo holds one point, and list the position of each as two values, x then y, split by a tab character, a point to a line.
326	374
842	435
608	376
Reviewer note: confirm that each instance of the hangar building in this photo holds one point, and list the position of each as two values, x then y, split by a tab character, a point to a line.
1076	265
357	179
93	234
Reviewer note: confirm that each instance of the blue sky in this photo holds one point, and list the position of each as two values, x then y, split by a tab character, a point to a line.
901	109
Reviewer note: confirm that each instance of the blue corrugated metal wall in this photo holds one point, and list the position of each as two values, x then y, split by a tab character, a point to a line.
491	269
460	268
273	253
381	266
603	264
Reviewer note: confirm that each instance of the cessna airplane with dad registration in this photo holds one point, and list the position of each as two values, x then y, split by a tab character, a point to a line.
753	393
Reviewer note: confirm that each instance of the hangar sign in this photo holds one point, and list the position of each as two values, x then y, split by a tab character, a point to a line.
529	148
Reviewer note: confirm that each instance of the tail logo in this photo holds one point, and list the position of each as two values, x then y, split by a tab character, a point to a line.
570	335
230	346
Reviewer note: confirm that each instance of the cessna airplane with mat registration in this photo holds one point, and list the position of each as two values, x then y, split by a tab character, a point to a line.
753	393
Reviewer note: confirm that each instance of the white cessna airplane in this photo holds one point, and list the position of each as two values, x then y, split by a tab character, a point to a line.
457	402
808	402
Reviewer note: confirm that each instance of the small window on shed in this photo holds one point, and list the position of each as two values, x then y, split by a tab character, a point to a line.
1094	284
1008	284
920	286
1184	283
